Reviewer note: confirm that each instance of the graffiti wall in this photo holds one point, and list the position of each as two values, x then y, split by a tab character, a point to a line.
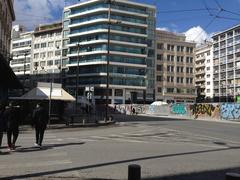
178	109
205	111
230	111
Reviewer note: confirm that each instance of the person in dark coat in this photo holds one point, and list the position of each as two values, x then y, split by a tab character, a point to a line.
11	115
2	123
40	120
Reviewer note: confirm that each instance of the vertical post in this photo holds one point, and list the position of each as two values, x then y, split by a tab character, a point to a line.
77	79
50	101
234	84
134	172
108	59
24	71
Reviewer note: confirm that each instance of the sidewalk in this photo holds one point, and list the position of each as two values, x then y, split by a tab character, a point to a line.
190	118
72	125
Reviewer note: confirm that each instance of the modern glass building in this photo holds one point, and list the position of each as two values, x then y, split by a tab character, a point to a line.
110	43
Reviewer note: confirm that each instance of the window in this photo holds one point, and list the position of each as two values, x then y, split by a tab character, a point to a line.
43	45
118	92
179	58
58	33
159	78
57	62
36	46
170	47
170	78
180	48
208	68
160	57
36	56
50	54
208	75
208	83
42	63
170	90
159	90
58	53
35	64
50	63
58	44
159	67
170	58
42	55
160	45
50	44
170	68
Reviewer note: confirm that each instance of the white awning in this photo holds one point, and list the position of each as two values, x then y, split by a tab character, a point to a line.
43	93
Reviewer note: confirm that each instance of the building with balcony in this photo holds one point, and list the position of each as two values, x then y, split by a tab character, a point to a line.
110	43
21	56
226	60
47	52
175	81
204	71
8	79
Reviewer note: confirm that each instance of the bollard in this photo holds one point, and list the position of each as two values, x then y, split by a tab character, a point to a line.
134	172
232	176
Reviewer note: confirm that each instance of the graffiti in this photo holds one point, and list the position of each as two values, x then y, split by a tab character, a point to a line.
139	108
204	109
230	111
178	109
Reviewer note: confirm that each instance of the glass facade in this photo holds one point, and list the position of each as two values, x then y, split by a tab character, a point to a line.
131	44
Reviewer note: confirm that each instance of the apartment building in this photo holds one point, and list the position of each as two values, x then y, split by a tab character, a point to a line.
226	59
175	81
127	65
21	57
8	79
47	52
204	71
21	51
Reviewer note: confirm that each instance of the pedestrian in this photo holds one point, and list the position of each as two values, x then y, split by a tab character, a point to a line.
40	120
2	122
11	116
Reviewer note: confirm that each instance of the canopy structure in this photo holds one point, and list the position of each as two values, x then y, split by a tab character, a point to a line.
158	103
47	91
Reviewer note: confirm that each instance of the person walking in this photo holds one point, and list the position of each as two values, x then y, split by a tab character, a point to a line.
2	122
11	116
40	120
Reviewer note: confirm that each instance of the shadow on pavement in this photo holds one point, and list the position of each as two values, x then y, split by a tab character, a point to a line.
218	174
37	174
46	147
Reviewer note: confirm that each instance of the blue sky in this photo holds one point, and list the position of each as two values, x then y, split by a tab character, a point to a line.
32	12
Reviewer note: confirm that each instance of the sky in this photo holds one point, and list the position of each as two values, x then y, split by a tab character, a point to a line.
198	19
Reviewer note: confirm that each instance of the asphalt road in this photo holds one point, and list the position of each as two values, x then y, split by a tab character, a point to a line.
165	149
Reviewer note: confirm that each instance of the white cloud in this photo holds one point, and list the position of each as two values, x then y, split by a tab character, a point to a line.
197	34
163	28
31	13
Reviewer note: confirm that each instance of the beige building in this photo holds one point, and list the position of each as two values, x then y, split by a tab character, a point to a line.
174	68
204	70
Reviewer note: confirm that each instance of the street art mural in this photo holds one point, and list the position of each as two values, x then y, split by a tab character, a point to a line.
204	110
230	111
179	109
